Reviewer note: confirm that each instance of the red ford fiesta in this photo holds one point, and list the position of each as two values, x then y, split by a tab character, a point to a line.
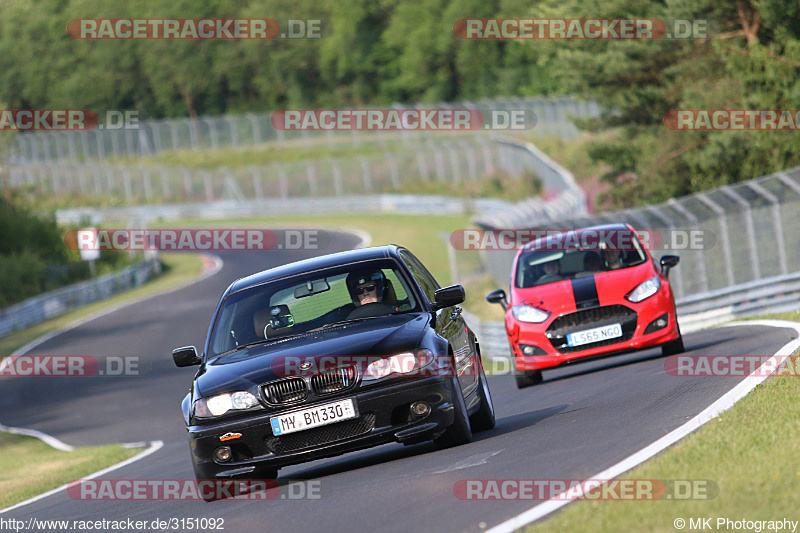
585	293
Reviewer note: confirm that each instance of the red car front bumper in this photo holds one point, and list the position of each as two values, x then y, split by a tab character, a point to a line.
547	340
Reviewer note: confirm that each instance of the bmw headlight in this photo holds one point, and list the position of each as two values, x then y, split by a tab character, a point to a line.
402	363
644	290
528	313
222	403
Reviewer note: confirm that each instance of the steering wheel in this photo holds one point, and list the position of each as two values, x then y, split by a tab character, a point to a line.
371	309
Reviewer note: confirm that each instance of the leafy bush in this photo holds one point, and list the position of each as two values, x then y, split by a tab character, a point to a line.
34	258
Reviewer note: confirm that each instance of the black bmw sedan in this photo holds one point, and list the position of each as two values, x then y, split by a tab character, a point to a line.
330	355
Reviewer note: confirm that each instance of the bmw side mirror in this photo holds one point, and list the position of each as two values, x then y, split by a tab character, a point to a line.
498	297
448	296
186	356
667	262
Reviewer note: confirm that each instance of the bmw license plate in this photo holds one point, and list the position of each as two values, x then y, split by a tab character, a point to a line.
589	336
312	417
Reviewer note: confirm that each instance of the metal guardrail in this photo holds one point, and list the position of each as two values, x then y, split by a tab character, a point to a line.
415	204
57	302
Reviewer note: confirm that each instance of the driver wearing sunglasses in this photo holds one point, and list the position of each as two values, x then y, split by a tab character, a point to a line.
366	287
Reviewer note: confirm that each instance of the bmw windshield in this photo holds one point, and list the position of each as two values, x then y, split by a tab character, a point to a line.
310	301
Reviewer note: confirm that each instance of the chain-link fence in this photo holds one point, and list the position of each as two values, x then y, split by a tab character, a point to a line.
149	137
454	162
726	237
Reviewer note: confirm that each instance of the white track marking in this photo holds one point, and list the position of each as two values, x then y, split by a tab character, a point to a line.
712	411
151	449
44	437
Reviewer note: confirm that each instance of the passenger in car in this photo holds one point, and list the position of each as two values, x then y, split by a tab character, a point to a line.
552	272
613	259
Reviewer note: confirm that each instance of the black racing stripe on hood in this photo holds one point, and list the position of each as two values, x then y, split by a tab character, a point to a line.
585	292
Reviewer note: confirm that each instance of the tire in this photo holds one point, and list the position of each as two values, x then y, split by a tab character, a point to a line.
673	347
460	432
484	419
527	378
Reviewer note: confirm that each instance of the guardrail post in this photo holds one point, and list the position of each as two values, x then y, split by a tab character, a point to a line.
258	189
148	185
187	184
336	170
726	239
748	224
282	182
366	175
173	132
311	173
256	128
776	220
126	180
701	263
165	190
208	187
422	165
394	170
678	273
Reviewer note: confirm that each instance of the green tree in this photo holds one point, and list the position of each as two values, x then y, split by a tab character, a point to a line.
750	61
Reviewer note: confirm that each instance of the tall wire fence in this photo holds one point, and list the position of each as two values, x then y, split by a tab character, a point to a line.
150	137
726	237
455	162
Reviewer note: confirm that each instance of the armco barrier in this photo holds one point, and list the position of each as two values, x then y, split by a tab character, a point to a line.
54	303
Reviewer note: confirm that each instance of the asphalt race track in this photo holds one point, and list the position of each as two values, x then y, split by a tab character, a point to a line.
580	421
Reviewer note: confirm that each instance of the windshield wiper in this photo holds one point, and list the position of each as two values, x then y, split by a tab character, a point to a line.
248	345
341	322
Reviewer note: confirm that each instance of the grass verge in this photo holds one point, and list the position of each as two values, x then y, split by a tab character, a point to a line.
748	452
29	467
178	268
291	151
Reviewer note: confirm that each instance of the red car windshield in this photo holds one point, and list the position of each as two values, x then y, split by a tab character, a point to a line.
541	266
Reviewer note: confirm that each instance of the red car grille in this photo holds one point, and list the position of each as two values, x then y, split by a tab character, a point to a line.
588	319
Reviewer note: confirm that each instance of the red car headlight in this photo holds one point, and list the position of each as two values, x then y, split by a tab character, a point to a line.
528	313
644	290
